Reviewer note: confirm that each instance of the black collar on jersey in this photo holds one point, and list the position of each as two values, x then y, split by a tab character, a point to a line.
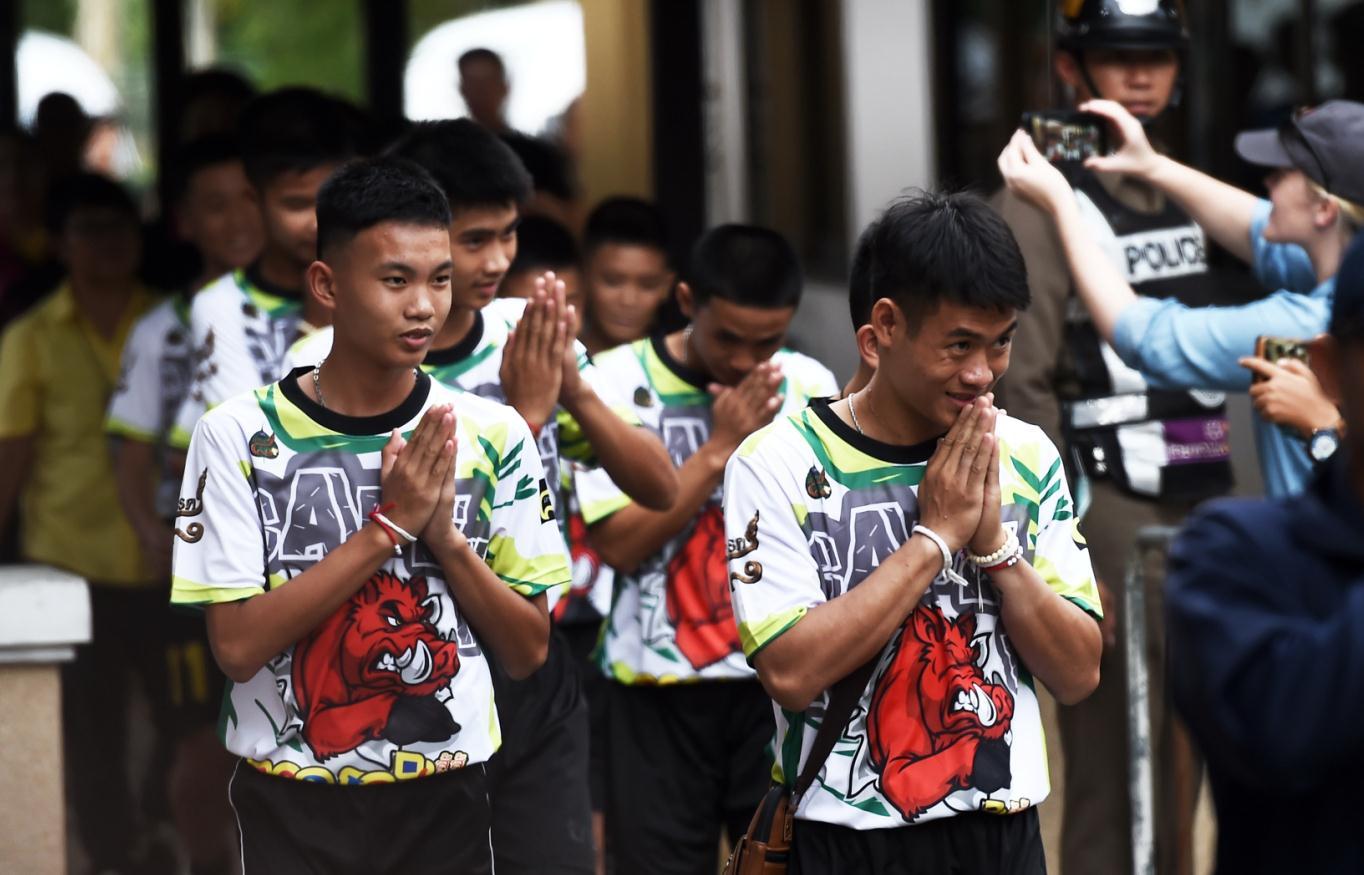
460	351
359	426
899	454
254	277
691	375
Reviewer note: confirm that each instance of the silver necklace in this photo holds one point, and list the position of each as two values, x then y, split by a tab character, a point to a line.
852	409
317	383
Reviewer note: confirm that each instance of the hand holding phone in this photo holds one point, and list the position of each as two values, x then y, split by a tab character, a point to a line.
1274	349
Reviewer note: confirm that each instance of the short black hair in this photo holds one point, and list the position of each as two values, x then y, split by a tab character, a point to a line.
217	82
927	248
370	191
196	155
859	280
86	191
482	54
469	162
294	130
746	265
626	221
543	244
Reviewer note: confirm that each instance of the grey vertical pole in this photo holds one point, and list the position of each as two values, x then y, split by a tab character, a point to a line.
1139	769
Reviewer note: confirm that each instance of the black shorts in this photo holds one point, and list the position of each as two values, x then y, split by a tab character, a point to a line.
968	844
582	641
684	761
541	812
437	824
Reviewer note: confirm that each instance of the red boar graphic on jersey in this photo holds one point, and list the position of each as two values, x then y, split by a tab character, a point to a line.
698	594
373	668
936	725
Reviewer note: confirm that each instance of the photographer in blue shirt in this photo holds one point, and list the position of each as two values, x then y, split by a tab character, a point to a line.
1294	242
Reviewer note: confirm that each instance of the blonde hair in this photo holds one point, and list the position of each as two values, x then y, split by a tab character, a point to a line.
1350	212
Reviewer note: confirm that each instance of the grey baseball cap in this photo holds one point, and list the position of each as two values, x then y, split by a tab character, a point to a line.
1326	143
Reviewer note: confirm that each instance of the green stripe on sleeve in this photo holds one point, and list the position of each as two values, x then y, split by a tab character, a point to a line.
755	636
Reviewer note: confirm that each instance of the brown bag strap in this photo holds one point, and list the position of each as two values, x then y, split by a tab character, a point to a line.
843	698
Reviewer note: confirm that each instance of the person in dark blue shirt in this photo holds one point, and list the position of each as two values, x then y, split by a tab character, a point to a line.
1265	614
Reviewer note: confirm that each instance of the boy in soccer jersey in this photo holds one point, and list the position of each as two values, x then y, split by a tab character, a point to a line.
216	212
361	537
626	273
687	721
543	246
521	353
244	322
916	526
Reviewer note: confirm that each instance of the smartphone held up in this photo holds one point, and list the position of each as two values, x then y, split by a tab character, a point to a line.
1067	136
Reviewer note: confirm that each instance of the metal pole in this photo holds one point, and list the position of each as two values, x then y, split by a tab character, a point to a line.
1139	773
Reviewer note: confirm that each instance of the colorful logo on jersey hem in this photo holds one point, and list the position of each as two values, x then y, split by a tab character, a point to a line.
406	764
264	446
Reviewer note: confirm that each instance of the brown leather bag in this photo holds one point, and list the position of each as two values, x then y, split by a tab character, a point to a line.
765	849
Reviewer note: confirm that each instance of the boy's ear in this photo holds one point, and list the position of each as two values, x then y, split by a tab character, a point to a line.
887	321
1324	358
322	284
685	301
866	347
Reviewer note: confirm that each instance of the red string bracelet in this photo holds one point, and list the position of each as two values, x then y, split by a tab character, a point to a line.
377	517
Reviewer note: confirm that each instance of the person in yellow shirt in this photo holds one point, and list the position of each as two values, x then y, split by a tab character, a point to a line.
59	363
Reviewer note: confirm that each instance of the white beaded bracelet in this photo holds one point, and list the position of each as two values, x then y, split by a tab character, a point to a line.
1009	547
946	551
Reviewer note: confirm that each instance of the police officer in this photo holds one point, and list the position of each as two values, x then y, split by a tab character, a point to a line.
1147	455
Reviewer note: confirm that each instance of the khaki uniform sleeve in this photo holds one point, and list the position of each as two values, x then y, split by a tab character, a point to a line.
1028	392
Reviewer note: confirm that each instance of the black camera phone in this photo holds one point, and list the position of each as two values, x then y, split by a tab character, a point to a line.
1063	135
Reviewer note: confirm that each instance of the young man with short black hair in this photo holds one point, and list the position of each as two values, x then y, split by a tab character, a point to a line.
687	724
244	323
543	246
847	523
521	353
626	272
361	537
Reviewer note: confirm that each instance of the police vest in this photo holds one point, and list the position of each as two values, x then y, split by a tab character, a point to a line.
1151	443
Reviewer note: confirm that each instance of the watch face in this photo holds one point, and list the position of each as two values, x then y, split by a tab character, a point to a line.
1324	444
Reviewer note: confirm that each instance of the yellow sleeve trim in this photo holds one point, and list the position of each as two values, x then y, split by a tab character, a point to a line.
755	636
596	511
128	430
188	592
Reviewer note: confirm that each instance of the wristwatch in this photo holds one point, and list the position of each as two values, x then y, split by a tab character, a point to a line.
1323	443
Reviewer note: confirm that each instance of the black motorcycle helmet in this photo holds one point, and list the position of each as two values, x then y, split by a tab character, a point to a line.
1121	24
1135	25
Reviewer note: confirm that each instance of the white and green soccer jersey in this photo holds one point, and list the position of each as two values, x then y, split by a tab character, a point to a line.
241	333
395	684
949	721
158	365
671	619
